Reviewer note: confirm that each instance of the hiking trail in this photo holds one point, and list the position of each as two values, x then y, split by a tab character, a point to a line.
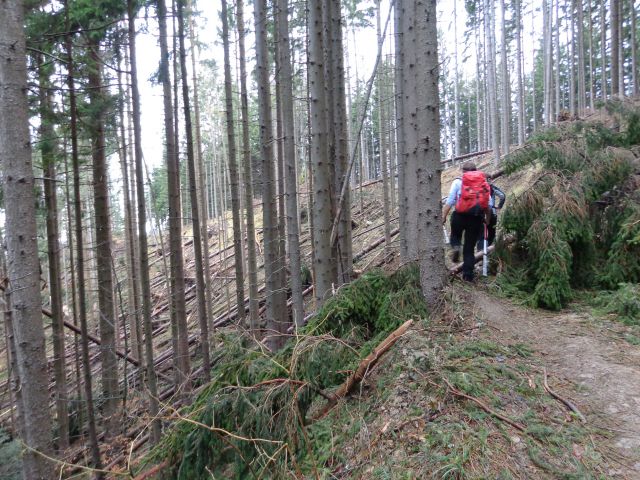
586	361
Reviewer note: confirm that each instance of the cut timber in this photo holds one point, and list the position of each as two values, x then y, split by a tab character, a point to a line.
458	268
362	369
76	329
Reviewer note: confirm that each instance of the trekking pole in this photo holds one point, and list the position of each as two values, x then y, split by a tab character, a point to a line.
485	263
446	235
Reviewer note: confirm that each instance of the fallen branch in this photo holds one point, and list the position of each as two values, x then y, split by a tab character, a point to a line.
362	369
150	473
481	404
458	268
569	404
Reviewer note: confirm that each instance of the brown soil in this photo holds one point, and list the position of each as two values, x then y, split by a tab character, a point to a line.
586	361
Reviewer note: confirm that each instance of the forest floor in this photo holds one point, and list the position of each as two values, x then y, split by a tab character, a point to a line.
412	419
591	359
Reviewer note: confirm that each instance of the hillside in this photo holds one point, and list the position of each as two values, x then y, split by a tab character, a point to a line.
487	386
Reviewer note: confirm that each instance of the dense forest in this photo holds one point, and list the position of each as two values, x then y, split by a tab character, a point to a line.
186	292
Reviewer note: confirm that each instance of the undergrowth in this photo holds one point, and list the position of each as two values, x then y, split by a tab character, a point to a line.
252	419
578	225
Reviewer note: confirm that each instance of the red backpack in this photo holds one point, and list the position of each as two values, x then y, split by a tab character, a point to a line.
474	193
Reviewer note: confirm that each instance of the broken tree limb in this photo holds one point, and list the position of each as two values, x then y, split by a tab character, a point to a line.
373	245
76	329
569	404
465	156
362	369
458	268
482	405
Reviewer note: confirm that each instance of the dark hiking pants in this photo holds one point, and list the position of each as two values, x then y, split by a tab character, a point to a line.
472	227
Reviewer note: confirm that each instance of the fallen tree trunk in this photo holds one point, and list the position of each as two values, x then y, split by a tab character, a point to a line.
478	258
362	369
465	156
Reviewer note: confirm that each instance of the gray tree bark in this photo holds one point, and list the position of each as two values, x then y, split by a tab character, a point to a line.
23	269
48	152
615	47
102	213
275	294
428	165
248	175
489	25
285	79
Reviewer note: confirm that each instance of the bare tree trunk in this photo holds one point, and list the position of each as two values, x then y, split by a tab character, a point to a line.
615	47
23	268
432	268
248	175
324	265
634	51
276	299
505	123
555	41
521	99
491	75
133	294
581	80
178	308
195	210
80	263
548	61
47	150
106	310
233	168
200	178
571	40
603	47
398	80
383	140
142	234
285	79
591	72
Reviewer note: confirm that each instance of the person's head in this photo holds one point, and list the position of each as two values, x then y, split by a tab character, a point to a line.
468	167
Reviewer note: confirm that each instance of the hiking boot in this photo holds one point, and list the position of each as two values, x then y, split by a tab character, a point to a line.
455	254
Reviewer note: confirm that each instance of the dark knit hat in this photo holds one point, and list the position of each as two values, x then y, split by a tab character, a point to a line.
469	167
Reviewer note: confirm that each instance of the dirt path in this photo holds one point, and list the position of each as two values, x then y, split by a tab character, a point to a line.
604	371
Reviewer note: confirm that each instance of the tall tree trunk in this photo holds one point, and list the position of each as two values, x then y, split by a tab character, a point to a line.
106	312
555	44
580	34
489	15
233	165
592	80
200	177
603	49
178	308
248	175
142	234
133	290
82	296
615	47
432	268
456	83
338	118
571	40
285	79
548	61
634	51
325	264
398	81
521	99
505	122
23	269
275	297
383	140
195	210
47	150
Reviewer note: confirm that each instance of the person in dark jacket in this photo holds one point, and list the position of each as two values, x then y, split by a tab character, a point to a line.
470	224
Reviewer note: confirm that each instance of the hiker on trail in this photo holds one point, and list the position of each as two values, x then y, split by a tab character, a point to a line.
469	195
493	220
